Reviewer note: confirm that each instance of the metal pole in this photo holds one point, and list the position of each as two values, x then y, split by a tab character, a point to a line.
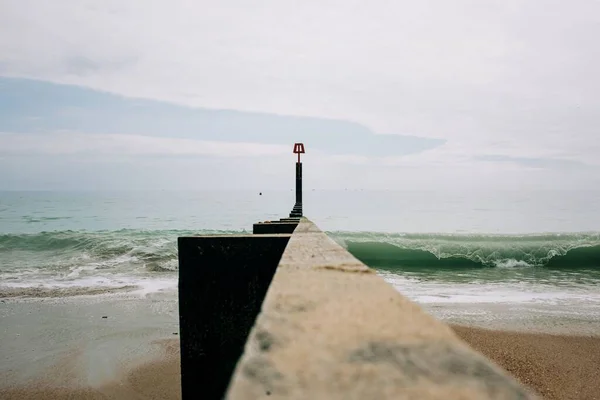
299	183
297	210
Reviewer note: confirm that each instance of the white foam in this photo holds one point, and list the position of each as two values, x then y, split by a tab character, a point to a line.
430	292
511	263
75	272
155	285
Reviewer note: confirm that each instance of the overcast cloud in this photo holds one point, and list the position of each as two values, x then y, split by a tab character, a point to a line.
510	87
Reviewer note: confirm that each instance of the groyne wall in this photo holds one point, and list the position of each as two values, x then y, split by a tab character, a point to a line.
295	316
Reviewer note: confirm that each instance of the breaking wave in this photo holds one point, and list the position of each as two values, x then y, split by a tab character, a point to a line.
393	251
79	252
73	263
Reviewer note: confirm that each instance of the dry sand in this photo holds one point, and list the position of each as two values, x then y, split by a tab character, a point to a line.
556	366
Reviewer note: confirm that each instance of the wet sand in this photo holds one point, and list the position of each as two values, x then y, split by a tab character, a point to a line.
156	379
90	347
555	366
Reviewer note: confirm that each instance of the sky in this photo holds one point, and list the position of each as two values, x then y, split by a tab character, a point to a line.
146	94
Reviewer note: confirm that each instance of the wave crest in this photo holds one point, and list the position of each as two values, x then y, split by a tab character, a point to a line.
389	251
76	251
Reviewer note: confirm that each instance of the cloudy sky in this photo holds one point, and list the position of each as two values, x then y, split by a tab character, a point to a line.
475	94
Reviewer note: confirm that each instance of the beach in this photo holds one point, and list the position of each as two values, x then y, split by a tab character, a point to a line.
64	348
555	366
88	281
90	347
157	379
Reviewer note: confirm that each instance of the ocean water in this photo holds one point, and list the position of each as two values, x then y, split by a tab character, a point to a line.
461	255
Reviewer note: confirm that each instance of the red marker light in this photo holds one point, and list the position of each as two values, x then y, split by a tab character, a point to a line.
299	149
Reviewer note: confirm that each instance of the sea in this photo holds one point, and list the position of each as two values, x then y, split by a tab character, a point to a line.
530	256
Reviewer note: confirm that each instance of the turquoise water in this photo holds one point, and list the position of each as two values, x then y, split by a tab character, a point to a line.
537	249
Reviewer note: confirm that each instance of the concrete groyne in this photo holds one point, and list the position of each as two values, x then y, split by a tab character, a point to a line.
287	313
296	316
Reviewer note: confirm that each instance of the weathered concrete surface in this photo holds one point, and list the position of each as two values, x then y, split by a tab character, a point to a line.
330	328
222	284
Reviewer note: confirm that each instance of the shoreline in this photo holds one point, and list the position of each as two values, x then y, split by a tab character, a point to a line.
519	317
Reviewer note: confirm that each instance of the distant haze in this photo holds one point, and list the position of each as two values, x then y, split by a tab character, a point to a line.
466	95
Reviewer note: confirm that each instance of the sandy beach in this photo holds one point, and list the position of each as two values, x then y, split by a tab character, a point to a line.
555	366
155	379
64	348
90	347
